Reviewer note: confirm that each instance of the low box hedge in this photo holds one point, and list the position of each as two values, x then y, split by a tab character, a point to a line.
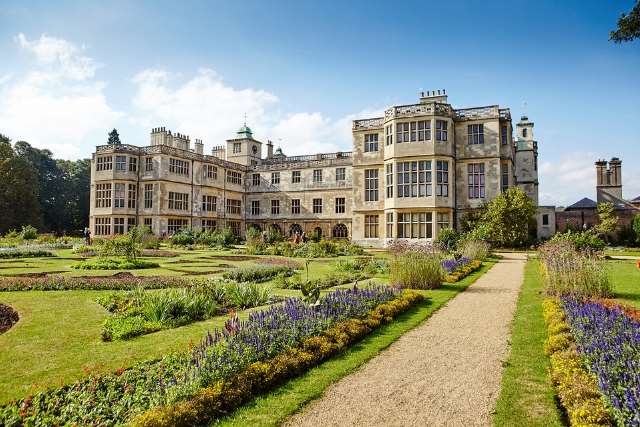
577	389
463	271
222	397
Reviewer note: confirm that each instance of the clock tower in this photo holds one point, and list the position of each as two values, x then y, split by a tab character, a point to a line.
244	149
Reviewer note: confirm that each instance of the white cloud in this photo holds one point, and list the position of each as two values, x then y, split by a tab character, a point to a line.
58	104
568	179
205	107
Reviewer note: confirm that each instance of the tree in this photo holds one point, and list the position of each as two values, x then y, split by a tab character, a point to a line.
508	217
19	204
114	138
628	26
608	219
636	227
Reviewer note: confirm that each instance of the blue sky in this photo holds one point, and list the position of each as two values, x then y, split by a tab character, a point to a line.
72	70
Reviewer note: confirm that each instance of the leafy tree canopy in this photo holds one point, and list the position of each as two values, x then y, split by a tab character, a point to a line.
114	138
628	26
508	217
607	217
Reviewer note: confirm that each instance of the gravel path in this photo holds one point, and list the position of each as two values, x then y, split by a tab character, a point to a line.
446	371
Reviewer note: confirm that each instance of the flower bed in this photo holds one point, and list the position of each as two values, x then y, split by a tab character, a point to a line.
329	280
122	281
258	273
227	369
8	317
115	264
577	389
24	253
463	271
609	343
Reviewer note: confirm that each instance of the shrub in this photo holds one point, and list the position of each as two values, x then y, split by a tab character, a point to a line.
58	283
141	312
447	240
19	253
321	249
635	225
463	271
28	232
257	273
577	389
327	281
210	238
474	249
114	264
370	266
250	357
417	270
567	271
127	246
581	240
247	295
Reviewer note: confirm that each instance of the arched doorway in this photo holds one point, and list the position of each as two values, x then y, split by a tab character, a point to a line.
295	228
340	231
317	232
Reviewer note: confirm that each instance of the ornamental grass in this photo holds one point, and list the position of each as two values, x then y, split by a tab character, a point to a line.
417	270
229	367
567	271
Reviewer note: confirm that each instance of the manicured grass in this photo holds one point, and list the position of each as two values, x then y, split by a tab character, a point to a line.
273	408
625	277
58	336
527	397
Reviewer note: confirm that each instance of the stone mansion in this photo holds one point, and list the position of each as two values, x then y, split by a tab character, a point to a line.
411	173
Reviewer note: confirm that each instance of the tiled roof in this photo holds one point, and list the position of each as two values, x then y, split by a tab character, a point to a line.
585	203
637	199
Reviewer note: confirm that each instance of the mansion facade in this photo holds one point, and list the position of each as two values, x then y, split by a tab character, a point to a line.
411	173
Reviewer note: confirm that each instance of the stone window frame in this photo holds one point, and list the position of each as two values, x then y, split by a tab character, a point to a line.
209	203
178	166
148	196
133	164
176	224
148	164
255	179
476	180
104	163
317	175
102	226
148	222
275	207
370	142
341	205
341	174
178	201
132	196
120	165
295	207
317	206
209	224
210	172
371	224
414	179
389	224
442	178
388	132
475	134
103	195
234	177
234	206
118	225
504	176
504	140
442	219
389	179
119	195
237	148
275	178
442	130
255	207
415	225
371	183
296	177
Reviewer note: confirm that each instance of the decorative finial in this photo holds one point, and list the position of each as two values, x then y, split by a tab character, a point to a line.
245	119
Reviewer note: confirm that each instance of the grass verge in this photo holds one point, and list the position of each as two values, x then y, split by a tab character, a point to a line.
527	397
273	408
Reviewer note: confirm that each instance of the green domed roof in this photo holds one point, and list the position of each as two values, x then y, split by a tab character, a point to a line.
244	132
279	152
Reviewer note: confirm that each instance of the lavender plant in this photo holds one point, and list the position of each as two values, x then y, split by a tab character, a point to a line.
452	264
609	342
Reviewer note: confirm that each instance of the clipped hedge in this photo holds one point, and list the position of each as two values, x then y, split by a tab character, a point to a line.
463	271
58	282
115	264
25	253
224	396
576	388
258	273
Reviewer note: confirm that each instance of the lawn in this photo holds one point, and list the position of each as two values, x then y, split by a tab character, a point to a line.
527	397
57	339
625	278
273	408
